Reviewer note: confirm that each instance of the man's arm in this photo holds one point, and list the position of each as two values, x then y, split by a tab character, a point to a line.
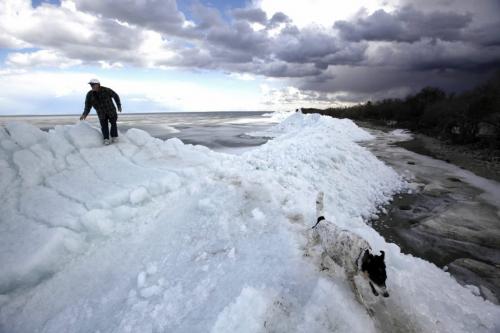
88	105
117	100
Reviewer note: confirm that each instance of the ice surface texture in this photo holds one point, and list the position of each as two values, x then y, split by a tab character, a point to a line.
150	236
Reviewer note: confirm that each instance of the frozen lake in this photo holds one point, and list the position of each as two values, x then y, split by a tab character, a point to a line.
220	131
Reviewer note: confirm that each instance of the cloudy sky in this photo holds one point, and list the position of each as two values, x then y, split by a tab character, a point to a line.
201	55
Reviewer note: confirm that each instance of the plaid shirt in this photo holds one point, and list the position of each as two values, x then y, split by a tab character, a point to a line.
102	103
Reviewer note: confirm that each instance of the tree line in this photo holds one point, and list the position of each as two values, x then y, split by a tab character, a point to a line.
469	117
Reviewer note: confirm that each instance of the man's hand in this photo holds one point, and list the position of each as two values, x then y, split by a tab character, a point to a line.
83	117
119	109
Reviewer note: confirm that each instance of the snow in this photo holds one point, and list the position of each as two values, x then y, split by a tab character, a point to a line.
246	314
401	134
149	236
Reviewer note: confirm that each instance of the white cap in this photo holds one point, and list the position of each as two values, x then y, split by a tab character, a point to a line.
94	81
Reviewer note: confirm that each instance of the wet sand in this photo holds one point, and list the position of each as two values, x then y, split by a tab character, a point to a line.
451	217
464	157
479	161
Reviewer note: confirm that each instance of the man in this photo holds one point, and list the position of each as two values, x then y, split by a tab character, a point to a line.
100	98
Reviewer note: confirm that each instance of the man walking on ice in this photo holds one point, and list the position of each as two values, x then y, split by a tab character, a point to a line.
100	98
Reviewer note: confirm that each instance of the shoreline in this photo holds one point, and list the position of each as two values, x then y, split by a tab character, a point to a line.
463	156
449	217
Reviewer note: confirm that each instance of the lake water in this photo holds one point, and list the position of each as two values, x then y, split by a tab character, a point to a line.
220	131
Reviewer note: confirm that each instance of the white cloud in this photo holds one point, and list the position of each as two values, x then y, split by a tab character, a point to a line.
292	98
9	41
42	58
243	76
154	49
110	65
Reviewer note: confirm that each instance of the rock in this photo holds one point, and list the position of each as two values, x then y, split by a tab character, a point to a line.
478	273
454	179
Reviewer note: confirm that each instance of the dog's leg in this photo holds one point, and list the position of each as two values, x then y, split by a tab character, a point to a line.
323	258
354	287
358	295
327	263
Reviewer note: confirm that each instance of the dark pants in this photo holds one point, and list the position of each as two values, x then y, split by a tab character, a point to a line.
105	128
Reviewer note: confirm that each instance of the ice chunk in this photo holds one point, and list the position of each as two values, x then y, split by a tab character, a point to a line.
150	291
98	221
8	175
83	135
152	268
123	213
9	145
25	135
47	206
474	289
138	137
34	253
25	160
139	195
141	279
232	253
401	135
92	191
58	142
257	214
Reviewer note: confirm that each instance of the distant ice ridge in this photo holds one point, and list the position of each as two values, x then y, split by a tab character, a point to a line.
278	116
296	122
149	236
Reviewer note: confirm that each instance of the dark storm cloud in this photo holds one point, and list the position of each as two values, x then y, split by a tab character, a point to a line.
286	70
314	46
363	83
309	45
405	25
485	35
435	54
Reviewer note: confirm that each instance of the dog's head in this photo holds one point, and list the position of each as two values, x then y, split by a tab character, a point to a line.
374	268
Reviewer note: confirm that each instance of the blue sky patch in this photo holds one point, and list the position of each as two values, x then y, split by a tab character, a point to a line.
36	3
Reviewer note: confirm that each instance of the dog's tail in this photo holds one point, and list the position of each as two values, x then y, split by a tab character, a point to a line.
319	208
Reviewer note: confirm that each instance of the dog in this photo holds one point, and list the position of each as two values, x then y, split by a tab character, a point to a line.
352	253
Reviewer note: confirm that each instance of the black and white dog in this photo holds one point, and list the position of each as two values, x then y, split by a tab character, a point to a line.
351	252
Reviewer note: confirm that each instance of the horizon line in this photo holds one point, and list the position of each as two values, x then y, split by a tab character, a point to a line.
128	113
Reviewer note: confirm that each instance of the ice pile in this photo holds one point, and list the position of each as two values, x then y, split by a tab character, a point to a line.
150	236
297	122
